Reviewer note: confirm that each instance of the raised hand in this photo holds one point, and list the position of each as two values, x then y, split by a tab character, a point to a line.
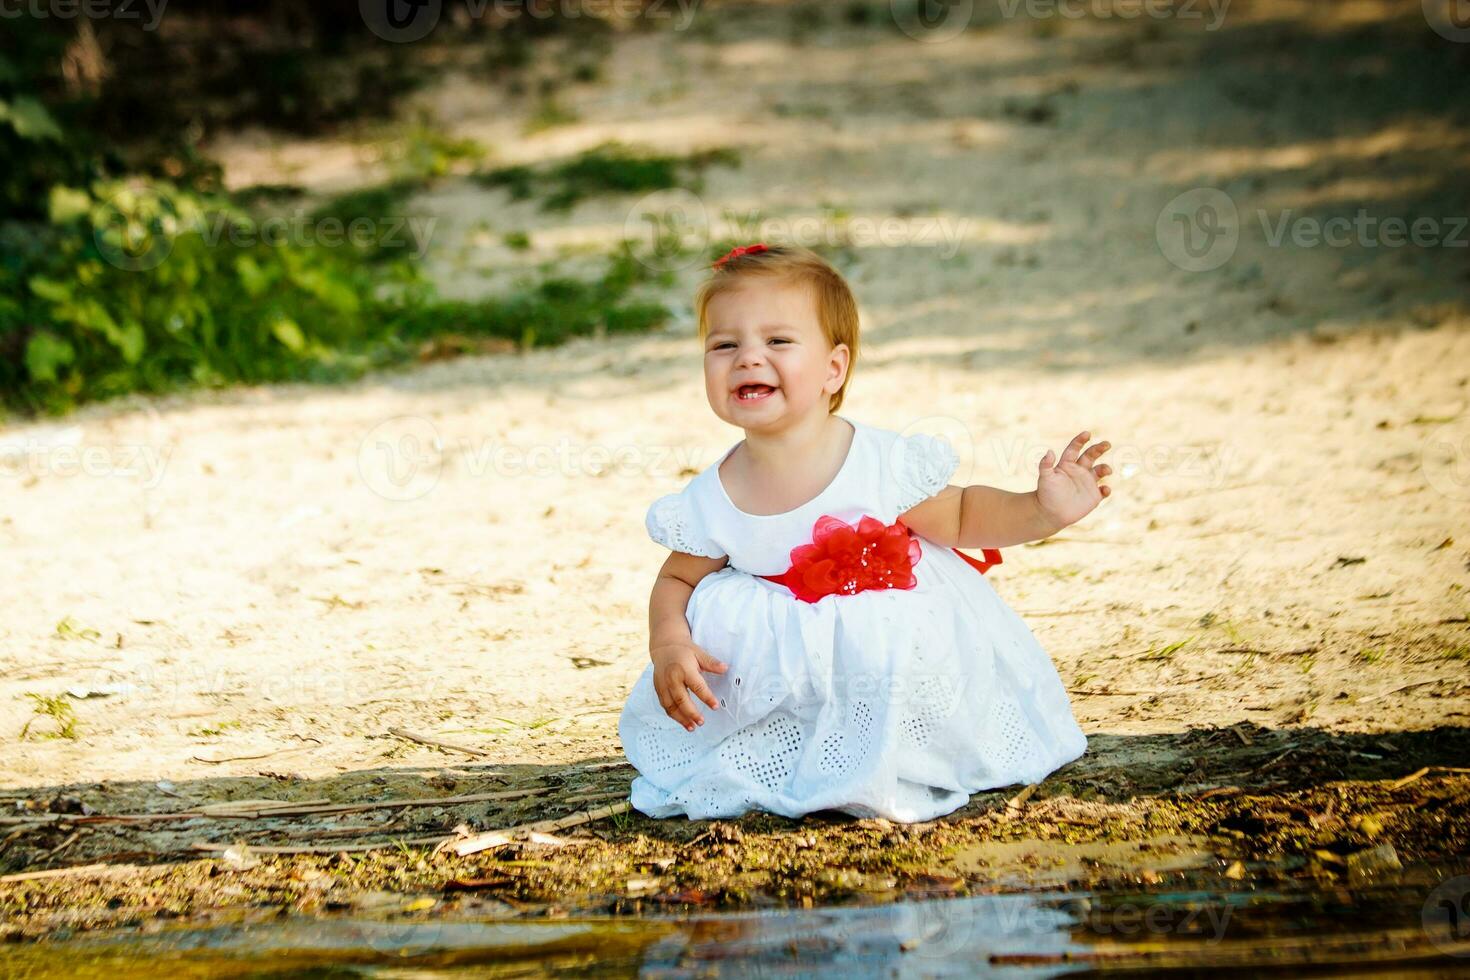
1069	490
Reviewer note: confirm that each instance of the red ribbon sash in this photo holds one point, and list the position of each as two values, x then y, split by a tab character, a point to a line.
843	559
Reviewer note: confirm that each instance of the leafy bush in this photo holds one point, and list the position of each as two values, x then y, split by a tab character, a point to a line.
139	286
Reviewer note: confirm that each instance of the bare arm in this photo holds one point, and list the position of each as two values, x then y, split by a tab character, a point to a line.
671	591
987	517
980	517
677	659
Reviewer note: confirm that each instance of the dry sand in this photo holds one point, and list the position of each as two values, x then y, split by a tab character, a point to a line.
1292	460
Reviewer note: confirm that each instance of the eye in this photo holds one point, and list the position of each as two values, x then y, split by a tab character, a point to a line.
780	340
722	345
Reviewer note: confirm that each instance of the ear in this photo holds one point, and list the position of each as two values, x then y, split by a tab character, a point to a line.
837	363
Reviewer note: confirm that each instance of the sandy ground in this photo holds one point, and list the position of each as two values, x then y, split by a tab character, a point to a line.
278	576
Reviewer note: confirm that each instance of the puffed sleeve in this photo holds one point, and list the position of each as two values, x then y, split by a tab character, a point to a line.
920	466
672	523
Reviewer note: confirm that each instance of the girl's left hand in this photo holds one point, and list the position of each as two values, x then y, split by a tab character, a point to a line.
1068	491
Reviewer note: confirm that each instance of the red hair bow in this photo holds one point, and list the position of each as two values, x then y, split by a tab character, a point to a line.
738	251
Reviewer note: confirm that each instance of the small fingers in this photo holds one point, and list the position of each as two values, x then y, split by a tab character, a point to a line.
686	714
1101	470
701	690
1104	489
1045	463
1096	450
676	704
1069	455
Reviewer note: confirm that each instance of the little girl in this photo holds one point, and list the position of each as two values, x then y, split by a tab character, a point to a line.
858	662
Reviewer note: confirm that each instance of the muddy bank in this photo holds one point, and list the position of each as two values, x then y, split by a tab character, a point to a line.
1260	809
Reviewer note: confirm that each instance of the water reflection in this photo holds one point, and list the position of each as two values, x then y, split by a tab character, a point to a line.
1033	935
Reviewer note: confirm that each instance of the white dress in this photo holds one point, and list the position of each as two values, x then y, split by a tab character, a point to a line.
887	702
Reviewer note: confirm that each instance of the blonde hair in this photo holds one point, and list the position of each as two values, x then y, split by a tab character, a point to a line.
836	308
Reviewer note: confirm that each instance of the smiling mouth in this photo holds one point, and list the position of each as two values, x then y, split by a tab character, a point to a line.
754	393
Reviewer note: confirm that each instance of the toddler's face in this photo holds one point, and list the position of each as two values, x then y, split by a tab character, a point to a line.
767	362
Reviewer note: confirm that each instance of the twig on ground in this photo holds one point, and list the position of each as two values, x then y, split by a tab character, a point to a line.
1383	694
1419	773
100	869
424	740
495	838
245	758
211	848
1013	805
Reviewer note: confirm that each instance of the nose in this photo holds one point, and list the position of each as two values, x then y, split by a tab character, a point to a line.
750	354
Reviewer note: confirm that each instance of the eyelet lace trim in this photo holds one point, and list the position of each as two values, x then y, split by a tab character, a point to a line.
924	466
669	525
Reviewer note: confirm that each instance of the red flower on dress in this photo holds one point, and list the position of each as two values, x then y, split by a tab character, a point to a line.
845	560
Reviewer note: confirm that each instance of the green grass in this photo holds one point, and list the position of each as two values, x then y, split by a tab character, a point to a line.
549	114
608	169
70	629
1167	651
58	710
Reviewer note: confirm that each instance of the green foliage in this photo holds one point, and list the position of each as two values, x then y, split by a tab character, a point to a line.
546	312
610	168
161	281
143	287
423	152
379	208
62	717
549	114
